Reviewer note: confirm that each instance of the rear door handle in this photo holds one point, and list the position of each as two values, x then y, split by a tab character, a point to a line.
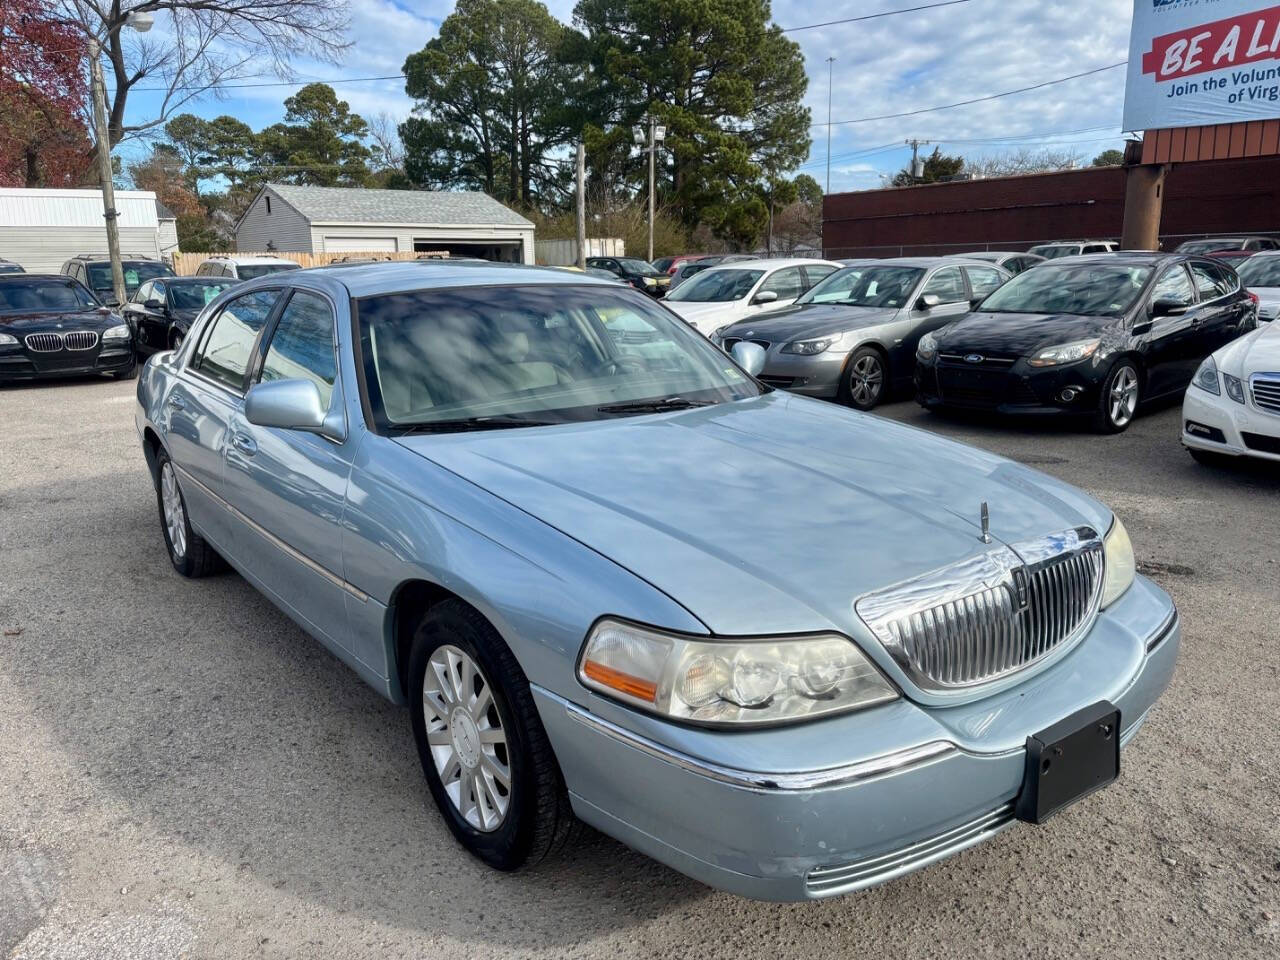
244	443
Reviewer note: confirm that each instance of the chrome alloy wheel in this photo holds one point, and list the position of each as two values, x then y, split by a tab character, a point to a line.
865	379
175	516
465	735
1124	396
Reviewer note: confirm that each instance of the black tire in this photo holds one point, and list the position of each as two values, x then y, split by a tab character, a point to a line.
195	558
864	381
1111	416
175	338
129	374
538	819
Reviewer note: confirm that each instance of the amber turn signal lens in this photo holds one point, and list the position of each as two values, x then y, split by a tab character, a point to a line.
622	682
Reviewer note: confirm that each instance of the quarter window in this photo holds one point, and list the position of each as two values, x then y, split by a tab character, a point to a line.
224	355
947	285
1174	285
302	345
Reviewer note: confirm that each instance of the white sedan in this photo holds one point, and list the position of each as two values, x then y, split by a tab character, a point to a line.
1232	407
1261	276
716	298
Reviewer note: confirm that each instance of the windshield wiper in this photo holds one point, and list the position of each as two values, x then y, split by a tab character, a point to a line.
653	406
471	423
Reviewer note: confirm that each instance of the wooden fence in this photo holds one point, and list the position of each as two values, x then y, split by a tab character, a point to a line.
185	264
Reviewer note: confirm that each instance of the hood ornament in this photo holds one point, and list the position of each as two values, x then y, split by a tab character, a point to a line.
986	523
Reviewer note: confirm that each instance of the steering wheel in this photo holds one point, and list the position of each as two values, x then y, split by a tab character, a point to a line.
611	366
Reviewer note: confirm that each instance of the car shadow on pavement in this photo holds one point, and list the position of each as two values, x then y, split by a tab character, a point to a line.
226	729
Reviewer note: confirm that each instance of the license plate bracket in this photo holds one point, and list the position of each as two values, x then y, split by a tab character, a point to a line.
1070	760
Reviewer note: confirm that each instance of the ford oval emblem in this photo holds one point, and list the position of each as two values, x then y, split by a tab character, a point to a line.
973	358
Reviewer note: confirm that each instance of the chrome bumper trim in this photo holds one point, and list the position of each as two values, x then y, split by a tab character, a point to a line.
760	781
1163	631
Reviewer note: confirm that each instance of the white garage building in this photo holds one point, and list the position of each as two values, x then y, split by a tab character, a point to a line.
284	217
42	228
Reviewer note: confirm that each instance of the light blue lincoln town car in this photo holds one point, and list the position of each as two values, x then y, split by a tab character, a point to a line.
789	649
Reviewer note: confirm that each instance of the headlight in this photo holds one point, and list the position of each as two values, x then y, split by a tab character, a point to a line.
1119	562
118	332
1235	389
1065	353
927	348
1206	377
807	348
649	281
7	341
719	331
730	682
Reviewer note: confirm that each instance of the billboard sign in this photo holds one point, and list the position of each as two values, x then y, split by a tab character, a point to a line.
1202	62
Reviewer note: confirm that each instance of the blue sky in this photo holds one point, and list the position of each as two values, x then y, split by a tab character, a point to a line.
883	66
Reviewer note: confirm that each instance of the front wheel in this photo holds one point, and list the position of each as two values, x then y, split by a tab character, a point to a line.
1118	401
863	382
189	552
484	751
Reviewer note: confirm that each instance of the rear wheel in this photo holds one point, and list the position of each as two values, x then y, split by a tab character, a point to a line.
1118	401
864	379
484	751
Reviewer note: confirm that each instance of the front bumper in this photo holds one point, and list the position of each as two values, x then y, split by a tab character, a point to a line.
20	364
851	801
1009	389
817	375
1218	424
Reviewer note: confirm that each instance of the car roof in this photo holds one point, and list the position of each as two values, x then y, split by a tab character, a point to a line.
192	279
372	279
934	261
236	258
1126	257
773	263
27	277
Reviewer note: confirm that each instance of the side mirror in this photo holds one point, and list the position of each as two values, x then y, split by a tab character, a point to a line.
154	304
288	404
750	356
1167	308
765	296
928	301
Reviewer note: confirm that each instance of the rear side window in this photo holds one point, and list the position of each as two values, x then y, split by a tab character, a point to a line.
302	346
224	354
1211	280
983	280
816	272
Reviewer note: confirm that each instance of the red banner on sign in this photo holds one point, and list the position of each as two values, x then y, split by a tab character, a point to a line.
1220	45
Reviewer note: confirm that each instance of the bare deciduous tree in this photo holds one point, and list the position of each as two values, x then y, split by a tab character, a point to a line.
1023	160
384	143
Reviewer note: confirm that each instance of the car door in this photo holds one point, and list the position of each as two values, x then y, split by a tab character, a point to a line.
154	320
1221	315
1173	343
135	316
198	409
287	488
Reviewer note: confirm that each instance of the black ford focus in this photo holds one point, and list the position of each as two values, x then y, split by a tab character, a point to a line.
1090	336
52	326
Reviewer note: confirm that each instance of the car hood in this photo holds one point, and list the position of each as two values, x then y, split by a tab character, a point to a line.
1016	334
765	515
801	321
185	317
1256	352
15	323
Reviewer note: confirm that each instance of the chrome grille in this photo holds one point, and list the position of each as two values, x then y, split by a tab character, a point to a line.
80	340
992	615
1266	391
43	342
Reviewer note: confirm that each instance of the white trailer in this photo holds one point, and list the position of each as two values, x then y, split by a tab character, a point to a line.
41	229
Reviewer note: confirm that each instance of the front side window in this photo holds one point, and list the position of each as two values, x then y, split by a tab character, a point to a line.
194	296
142	295
1081	289
39	295
465	358
983	280
224	354
1052	251
1174	285
717	286
947	285
302	346
786	283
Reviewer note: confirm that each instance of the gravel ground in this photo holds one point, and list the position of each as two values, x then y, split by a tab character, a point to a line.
183	772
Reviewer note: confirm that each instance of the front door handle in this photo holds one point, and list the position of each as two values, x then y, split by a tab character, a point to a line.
244	443
176	401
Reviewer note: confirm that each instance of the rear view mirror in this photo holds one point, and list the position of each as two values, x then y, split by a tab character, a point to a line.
765	296
1168	308
750	356
928	301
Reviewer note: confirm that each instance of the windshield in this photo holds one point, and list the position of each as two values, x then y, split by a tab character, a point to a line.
1260	272
1210	245
632	265
249	271
136	273
717	286
1084	289
535	354
866	286
1052	251
193	296
44	296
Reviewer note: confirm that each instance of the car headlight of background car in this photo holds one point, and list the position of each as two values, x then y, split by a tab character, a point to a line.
7	341
119	332
1206	379
927	348
807	348
1065	353
730	682
1118	561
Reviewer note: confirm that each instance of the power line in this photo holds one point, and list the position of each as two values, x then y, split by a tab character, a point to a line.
965	103
281	83
874	16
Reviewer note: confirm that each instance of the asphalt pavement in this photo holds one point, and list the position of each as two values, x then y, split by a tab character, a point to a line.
184	773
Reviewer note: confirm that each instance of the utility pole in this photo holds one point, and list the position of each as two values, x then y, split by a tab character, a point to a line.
830	61
656	135
917	170
582	206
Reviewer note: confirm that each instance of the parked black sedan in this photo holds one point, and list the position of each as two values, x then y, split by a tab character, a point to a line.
161	311
1090	335
52	326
